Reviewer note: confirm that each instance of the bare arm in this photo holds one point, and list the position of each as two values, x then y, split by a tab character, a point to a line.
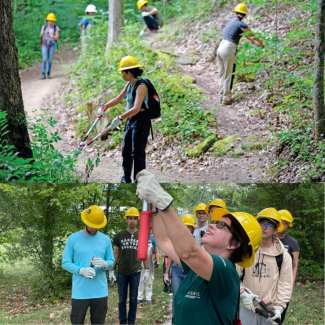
42	31
81	25
56	36
113	102
153	11
252	37
169	264
116	253
185	245
295	259
140	93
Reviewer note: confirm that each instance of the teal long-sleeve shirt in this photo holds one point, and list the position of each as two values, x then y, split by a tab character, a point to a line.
78	252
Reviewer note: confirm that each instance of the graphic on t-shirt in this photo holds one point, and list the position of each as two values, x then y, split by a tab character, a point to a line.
193	295
261	270
286	247
129	243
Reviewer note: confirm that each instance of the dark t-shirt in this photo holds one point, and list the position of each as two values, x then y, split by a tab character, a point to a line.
157	16
210	303
128	257
290	245
233	30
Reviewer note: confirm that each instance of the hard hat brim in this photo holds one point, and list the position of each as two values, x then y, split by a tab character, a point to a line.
132	67
240	11
89	224
131	216
188	224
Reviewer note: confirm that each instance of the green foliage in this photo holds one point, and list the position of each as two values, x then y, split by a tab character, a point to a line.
48	164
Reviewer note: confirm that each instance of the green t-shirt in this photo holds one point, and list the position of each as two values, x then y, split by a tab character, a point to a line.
128	258
157	16
211	302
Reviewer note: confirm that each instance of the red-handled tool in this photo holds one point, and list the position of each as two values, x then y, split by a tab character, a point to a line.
144	231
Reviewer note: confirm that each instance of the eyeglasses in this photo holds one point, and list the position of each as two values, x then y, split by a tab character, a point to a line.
201	213
220	224
266	225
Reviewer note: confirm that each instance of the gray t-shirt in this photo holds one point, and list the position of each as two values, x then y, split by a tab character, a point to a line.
290	245
233	30
157	16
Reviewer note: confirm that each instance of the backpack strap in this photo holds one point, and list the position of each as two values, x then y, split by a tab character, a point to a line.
279	261
242	275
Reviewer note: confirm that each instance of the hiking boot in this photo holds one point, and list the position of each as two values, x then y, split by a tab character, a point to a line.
227	102
139	301
48	75
43	76
148	301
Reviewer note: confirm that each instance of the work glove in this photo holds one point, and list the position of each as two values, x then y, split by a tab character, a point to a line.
145	14
87	272
247	300
277	311
145	275
149	189
166	277
116	122
142	33
112	275
99	262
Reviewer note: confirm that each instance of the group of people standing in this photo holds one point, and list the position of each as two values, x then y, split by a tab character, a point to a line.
208	259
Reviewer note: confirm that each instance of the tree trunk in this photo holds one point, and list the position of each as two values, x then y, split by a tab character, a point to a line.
115	21
48	241
319	106
11	100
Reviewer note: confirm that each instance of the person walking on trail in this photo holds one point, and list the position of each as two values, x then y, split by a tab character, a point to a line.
88	255
138	126
176	270
290	245
212	283
218	203
270	278
227	52
202	220
151	16
50	34
85	24
152	251
129	267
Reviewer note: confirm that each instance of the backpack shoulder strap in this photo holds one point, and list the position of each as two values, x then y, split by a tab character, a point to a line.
242	275
54	29
279	261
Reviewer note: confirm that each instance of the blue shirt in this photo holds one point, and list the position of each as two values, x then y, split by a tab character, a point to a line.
233	30
152	240
81	249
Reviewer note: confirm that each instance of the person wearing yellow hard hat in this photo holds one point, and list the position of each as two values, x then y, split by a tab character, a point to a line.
270	277
88	255
151	17
129	267
50	33
212	283
227	51
202	217
141	98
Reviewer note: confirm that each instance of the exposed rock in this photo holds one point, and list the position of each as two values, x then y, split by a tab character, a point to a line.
189	58
202	147
223	146
239	152
188	78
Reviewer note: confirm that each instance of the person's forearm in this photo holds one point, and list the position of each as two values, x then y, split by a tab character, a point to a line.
153	11
133	111
169	264
294	273
182	239
113	102
115	262
145	263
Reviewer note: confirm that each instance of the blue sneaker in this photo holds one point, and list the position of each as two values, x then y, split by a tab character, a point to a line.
148	301
139	301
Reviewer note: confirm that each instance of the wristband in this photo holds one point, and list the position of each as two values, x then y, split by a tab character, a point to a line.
120	118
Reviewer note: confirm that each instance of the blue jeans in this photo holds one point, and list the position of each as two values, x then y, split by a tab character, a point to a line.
47	55
177	278
134	149
151	22
123	282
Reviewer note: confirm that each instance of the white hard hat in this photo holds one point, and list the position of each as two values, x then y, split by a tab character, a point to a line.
91	8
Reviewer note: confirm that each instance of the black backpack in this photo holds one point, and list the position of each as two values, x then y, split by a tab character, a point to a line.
153	109
279	260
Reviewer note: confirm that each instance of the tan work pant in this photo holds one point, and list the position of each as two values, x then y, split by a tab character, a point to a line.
226	56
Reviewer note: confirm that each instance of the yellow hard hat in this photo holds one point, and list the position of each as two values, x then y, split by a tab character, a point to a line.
129	62
241	8
199	207
188	220
94	217
273	215
140	3
286	216
51	16
218	202
251	228
131	212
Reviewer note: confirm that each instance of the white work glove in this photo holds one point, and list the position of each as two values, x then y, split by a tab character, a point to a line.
99	262
87	272
112	275
247	300
166	277
149	189
277	311
142	33
145	14
116	122
145	275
